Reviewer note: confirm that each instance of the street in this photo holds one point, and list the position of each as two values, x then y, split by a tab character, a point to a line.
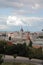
22	60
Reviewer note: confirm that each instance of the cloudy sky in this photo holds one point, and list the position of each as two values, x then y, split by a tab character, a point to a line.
15	14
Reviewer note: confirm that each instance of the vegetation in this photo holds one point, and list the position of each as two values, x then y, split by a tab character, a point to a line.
30	44
1	60
9	38
21	50
40	37
15	55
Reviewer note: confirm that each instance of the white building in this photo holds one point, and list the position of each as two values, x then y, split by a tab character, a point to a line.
37	39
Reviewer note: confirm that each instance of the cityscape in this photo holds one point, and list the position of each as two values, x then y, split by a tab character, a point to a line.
21	32
23	36
32	40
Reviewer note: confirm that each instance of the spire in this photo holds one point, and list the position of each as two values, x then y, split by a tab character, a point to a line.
21	29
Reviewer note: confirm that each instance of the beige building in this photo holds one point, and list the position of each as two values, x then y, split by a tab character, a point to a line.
22	36
19	37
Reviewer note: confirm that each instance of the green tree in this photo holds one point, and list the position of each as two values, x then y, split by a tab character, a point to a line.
2	46
1	60
30	44
30	55
9	38
15	55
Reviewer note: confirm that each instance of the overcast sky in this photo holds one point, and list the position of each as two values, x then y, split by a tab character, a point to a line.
15	14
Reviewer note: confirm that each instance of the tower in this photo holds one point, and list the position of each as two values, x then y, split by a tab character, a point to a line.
21	32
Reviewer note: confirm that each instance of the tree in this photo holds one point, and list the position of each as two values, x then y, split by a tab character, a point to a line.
9	38
15	55
42	29
30	44
2	46
1	60
30	53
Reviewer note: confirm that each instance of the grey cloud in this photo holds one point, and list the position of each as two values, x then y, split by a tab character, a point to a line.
23	12
25	21
22	7
20	3
31	21
5	3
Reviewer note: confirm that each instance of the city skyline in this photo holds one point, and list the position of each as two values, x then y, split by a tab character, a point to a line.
15	14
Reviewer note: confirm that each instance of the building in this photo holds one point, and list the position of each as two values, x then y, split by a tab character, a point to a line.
37	39
22	36
19	37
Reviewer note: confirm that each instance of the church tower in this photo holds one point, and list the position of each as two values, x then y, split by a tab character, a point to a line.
21	32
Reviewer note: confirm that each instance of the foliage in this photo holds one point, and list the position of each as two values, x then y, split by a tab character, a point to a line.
9	38
30	44
15	55
1	60
21	50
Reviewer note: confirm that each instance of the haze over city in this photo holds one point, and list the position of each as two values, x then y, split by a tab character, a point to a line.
15	14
